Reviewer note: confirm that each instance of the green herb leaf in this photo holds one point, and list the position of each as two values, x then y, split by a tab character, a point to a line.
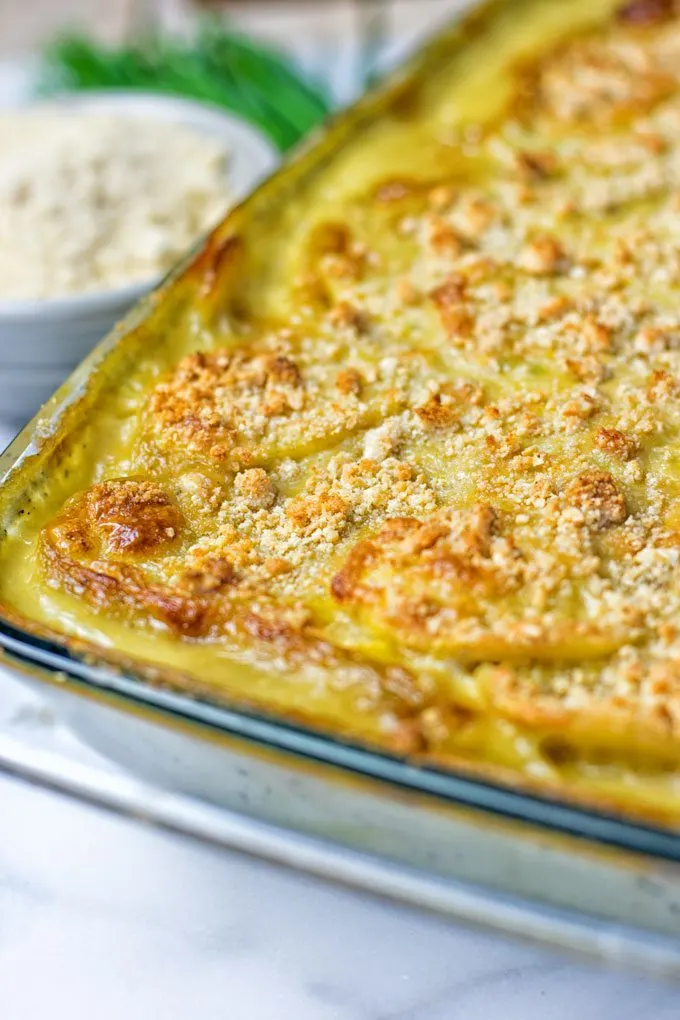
216	66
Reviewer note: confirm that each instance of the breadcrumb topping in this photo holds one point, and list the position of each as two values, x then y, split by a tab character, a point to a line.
455	453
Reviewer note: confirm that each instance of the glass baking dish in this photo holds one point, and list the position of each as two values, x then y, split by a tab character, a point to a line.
578	880
579	877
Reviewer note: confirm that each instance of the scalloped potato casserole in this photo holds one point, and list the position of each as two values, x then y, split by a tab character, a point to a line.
398	456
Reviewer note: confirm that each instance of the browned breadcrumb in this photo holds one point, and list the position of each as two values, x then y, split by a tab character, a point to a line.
441	197
349	381
255	487
536	165
345	314
596	335
436	414
596	495
191	405
474	217
341	255
587	369
555	308
445	239
619	444
581	407
307	511
543	256
455	314
276	566
213	574
662	385
407	293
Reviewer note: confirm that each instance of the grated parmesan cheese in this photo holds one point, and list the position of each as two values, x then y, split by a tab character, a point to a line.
91	202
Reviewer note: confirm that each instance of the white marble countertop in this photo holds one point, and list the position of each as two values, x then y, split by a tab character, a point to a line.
103	917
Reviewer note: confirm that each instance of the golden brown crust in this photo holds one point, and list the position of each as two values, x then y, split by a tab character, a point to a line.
461	583
248	407
445	454
121	517
190	406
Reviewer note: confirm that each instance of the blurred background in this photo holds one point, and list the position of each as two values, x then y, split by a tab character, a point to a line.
339	40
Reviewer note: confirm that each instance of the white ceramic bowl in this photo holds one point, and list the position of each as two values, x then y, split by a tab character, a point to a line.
41	341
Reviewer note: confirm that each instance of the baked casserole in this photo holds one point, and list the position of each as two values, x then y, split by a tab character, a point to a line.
398	456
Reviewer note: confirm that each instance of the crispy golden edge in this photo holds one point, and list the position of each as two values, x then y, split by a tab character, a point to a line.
120	584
